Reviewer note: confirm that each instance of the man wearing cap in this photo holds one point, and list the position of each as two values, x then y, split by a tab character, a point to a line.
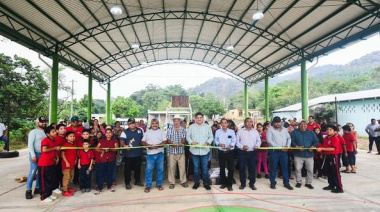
133	157
278	136
307	139
34	146
200	134
176	136
76	128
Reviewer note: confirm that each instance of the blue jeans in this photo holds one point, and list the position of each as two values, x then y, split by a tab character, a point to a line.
105	172
151	161
275	158
203	160
3	138
85	177
32	172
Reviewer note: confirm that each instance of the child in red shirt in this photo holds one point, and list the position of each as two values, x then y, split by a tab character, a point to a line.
60	139
351	149
46	164
85	162
330	150
69	157
342	149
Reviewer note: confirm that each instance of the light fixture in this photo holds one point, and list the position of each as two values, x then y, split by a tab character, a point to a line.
258	15
230	48
116	10
135	46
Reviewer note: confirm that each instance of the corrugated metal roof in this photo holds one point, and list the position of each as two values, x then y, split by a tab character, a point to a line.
88	37
343	97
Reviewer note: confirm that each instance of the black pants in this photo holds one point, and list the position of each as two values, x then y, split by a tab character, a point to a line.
135	165
373	140
247	158
57	175
226	157
85	177
45	174
351	159
318	166
331	167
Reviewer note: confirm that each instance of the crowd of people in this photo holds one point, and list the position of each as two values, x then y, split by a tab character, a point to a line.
67	155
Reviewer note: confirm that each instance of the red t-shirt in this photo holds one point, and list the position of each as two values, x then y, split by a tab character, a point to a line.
80	142
342	142
70	154
47	158
349	138
312	126
110	155
59	140
85	157
78	134
331	142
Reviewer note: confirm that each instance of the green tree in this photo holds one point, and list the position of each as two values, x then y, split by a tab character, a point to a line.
125	108
208	105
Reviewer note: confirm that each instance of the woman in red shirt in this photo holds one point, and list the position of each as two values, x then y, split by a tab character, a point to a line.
262	153
107	147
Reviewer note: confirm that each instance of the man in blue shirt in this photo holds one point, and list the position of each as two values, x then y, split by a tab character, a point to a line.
305	138
225	138
133	157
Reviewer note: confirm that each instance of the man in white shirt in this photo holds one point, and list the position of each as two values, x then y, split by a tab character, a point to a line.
154	139
3	137
247	140
372	135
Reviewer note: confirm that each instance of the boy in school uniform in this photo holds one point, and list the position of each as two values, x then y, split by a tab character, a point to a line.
330	150
85	162
60	139
342	149
351	149
69	157
46	164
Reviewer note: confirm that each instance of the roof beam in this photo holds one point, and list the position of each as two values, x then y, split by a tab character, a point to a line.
201	28
146	27
183	29
166	34
220	28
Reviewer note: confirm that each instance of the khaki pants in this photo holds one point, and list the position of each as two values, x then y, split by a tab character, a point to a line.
68	175
172	165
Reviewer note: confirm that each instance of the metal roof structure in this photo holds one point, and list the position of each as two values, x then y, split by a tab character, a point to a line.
89	38
343	97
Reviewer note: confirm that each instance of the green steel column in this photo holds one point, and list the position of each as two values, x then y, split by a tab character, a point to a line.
54	90
109	115
304	90
266	96
246	100
89	97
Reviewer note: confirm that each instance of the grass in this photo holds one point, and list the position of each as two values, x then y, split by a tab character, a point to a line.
15	145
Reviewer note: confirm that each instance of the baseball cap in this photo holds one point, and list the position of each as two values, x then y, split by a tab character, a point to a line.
131	120
276	119
74	119
42	119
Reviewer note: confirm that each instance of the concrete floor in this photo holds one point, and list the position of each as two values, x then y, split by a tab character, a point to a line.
362	193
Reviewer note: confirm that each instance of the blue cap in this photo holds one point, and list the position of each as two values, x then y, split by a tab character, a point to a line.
74	119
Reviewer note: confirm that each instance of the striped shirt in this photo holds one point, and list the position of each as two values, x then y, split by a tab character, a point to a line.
201	134
175	137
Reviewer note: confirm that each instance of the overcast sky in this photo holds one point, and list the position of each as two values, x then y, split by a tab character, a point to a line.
184	74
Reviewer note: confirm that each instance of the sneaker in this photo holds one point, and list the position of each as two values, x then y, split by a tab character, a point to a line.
337	190
288	186
83	190
67	194
37	191
57	191
272	186
207	187
309	186
53	197
28	194
128	187
258	176
196	186
328	188
298	185
71	190
267	176
47	200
